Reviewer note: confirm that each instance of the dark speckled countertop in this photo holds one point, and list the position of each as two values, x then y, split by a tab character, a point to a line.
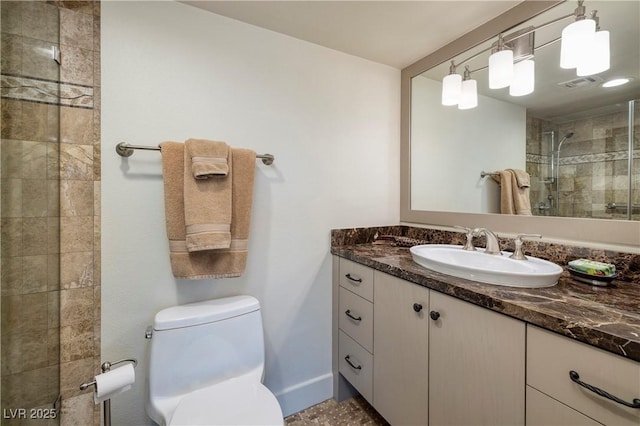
605	317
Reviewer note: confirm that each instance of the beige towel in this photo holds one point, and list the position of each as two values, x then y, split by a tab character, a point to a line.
514	192
207	202
209	159
222	263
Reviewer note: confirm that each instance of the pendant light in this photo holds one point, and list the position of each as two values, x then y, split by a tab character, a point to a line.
598	59
469	94
577	39
500	66
523	78
451	87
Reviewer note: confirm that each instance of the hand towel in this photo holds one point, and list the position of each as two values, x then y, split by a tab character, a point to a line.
209	159
223	263
207	202
514	194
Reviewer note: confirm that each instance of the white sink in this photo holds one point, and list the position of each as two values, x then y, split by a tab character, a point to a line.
486	268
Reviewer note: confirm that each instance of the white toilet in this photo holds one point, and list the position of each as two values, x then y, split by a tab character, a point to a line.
206	365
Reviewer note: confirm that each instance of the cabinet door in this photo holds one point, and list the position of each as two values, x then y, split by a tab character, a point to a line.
543	410
400	347
477	365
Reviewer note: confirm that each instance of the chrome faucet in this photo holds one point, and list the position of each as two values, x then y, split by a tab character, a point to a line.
492	246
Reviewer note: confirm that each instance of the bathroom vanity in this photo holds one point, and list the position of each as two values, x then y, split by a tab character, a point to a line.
427	348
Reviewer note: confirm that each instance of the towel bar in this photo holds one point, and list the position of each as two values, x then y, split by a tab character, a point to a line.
126	150
485	174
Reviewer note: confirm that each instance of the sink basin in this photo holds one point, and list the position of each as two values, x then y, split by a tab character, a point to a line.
486	268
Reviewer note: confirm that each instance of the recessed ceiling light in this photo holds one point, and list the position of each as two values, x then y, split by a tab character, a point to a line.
616	82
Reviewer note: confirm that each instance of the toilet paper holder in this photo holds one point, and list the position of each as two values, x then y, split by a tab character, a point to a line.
106	366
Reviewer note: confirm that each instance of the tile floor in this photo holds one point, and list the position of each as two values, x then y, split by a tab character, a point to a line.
353	411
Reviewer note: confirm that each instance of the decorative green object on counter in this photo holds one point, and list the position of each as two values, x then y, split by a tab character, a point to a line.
592	267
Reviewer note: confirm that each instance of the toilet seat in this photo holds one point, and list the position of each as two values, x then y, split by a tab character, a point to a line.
234	402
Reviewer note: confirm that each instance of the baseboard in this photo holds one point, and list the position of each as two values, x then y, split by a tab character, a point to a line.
304	395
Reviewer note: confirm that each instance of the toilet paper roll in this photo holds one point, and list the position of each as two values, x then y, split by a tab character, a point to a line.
113	382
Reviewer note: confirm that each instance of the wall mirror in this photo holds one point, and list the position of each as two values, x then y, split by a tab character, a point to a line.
576	139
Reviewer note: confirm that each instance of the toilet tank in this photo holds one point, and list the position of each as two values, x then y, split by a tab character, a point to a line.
200	344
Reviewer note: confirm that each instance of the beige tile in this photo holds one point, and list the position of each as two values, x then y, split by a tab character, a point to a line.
76	234
53	238
34	274
53	272
30	388
97	236
53	346
11	163
53	198
11	275
77	410
77	270
11	197
34	160
35	202
35	236
11	12
76	161
76	341
37	60
76	198
73	374
76	125
53	161
24	351
11	119
12	52
76	29
76	306
35	121
40	21
24	313
11	237
77	65
53	310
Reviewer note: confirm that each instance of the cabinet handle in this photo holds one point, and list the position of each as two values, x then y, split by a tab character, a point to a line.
434	315
575	377
357	280
348	359
417	307
348	313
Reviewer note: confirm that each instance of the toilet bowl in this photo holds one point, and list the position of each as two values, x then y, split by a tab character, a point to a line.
206	365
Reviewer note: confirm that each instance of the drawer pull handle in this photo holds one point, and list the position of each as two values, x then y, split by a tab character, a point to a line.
434	315
348	359
350	278
348	313
575	377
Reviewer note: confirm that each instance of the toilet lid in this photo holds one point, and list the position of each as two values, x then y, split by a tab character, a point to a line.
233	402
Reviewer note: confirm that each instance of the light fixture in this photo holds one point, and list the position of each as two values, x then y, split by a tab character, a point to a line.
469	94
523	78
577	39
500	66
598	58
451	87
616	82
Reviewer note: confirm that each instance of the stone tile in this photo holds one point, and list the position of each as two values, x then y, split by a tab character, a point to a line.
77	410
24	313
53	310
74	373
53	198
33	160
35	236
76	341
76	29
77	65
76	198
11	197
76	161
40	21
76	125
36	122
11	13
11	122
53	346
11	275
30	388
12	52
53	161
11	237
53	238
97	319
24	351
11	163
76	234
35	202
34	274
77	270
37	60
353	411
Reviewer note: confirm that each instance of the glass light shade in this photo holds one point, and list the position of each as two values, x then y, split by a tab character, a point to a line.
451	88
469	95
598	58
523	78
500	69
577	39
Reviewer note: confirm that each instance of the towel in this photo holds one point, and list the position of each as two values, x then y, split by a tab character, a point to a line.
209	159
207	202
514	192
222	263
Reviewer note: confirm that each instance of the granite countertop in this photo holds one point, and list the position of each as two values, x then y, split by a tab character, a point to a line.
605	317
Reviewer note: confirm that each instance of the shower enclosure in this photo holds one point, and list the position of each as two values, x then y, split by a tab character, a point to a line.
30	213
587	165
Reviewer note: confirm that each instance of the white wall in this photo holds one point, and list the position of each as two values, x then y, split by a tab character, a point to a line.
445	140
169	72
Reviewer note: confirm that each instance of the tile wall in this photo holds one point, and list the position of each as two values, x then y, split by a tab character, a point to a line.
594	171
50	179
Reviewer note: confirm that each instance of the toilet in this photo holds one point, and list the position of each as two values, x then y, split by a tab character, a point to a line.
206	365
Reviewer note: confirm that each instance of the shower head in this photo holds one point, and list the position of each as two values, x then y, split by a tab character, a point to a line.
567	136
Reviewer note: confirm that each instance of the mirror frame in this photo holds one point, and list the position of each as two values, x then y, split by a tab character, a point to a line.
621	235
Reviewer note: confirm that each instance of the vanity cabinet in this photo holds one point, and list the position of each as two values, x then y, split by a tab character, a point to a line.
551	358
476	365
401	343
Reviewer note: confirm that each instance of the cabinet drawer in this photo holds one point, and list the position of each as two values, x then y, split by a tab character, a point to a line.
356	365
545	411
357	278
356	318
550	358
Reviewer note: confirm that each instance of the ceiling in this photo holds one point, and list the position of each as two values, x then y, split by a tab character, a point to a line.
395	33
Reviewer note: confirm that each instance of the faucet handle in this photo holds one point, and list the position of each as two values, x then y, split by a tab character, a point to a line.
518	253
469	232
